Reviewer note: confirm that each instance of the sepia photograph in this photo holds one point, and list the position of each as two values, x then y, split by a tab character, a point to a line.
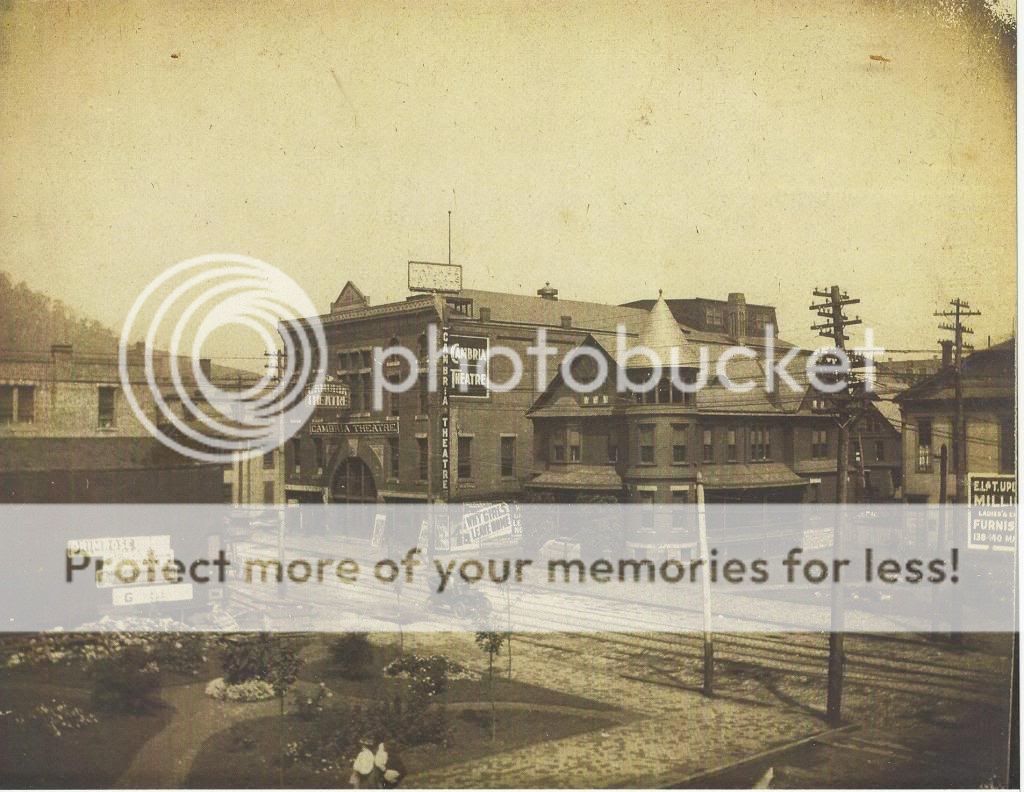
492	394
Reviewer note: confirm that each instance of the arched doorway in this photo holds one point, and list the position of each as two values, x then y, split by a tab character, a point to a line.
353	483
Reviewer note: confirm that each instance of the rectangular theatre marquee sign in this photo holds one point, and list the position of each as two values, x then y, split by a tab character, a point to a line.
389	426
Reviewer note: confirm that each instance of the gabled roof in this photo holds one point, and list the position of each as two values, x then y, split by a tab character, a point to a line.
350	298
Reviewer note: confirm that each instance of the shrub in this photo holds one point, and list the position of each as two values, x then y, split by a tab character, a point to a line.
311	706
126	682
273	659
352	655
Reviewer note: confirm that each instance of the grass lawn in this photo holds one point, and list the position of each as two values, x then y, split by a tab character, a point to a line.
376	685
93	756
246	755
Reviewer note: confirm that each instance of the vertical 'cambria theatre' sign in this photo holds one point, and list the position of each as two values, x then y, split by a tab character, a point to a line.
444	416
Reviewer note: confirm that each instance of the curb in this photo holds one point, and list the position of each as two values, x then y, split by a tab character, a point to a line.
691	780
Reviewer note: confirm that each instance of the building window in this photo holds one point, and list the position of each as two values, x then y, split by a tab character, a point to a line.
879	450
679	456
558	446
819	443
365	383
268	491
760	445
465	458
394	380
297	456
318	451
924	446
1007	445
730	445
613	448
17	403
424	395
106	406
421	450
268	460
575	449
393	458
708	454
6	404
508	457
646	444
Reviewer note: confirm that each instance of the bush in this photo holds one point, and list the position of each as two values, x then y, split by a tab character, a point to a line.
126	682
184	654
352	655
263	657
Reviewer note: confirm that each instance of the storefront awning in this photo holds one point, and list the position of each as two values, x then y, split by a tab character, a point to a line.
579	477
755	476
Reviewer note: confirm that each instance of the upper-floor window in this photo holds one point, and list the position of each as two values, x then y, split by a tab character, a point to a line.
879	450
297	456
646	444
393	396
819	443
924	445
679	434
465	457
268	460
730	445
105	407
17	403
558	446
707	451
760	445
713	316
508	457
424	395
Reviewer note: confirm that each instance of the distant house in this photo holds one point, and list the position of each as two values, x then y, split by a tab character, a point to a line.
928	412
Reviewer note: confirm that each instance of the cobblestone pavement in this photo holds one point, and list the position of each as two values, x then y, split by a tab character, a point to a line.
678	731
770	691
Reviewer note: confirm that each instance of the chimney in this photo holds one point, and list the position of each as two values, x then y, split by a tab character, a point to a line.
547	293
567	321
947	352
736	316
61	355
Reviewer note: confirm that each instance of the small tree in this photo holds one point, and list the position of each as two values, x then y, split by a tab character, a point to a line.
491	643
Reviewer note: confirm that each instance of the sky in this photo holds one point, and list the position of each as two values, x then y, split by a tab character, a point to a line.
612	149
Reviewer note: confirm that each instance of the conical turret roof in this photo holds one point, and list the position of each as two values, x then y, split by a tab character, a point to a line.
661	334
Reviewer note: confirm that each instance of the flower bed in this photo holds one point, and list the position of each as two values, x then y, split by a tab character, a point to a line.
250	690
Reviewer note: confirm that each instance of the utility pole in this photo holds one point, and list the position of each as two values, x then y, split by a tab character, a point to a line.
834	327
959	310
705	589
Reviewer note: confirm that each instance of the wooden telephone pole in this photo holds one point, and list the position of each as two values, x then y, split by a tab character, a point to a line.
959	309
834	327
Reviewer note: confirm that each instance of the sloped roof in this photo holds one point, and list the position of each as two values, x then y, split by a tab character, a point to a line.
528	309
987	374
660	333
576	477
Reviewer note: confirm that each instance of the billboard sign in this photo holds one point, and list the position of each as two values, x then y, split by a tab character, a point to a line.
467	376
993	512
426	276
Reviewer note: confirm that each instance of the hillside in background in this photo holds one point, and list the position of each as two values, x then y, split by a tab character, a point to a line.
31	321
